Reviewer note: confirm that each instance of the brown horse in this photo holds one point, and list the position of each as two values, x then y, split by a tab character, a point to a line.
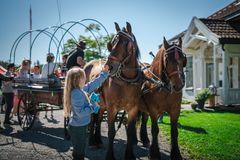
167	70
121	91
92	70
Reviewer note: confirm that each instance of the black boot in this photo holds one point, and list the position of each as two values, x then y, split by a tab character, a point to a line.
7	120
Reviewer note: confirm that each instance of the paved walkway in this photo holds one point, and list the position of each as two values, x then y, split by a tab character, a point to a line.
45	141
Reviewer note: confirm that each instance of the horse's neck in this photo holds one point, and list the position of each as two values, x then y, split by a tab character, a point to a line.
131	67
157	64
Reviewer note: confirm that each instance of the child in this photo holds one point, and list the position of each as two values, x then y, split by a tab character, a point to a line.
36	72
77	103
63	65
24	69
50	68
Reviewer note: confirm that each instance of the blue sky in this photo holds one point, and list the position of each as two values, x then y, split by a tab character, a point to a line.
150	20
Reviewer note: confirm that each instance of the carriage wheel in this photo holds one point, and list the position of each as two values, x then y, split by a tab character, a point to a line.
26	111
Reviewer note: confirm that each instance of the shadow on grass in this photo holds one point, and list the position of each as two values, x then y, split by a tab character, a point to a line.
223	109
198	130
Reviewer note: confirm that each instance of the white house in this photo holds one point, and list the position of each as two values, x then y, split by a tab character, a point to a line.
212	46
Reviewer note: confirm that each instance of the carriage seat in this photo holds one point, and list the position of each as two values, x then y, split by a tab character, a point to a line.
51	82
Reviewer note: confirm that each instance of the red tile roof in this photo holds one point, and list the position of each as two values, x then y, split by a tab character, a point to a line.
222	28
226	11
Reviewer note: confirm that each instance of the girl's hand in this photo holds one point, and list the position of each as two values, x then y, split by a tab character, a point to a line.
105	68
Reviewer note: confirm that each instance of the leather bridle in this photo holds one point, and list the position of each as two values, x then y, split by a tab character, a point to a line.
121	63
177	50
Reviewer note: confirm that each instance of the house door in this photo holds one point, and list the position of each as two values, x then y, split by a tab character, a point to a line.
209	74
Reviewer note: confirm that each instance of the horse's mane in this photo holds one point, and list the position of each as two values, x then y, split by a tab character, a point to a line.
138	54
157	63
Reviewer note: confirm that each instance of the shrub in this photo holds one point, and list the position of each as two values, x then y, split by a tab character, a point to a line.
203	95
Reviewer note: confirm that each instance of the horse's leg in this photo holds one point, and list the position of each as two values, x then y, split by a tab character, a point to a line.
131	131
175	153
134	135
91	140
154	148
111	114
143	131
98	137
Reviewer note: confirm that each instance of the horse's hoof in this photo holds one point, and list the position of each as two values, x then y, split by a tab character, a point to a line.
146	144
176	157
151	158
110	156
130	156
154	154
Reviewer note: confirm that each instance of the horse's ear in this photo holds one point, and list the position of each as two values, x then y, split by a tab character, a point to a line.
109	46
117	27
129	28
180	41
165	43
130	47
124	30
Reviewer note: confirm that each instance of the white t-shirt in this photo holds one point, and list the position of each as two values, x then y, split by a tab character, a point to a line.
52	67
37	76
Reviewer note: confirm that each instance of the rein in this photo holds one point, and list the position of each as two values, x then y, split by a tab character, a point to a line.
159	83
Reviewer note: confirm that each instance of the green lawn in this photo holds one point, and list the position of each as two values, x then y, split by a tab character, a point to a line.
208	135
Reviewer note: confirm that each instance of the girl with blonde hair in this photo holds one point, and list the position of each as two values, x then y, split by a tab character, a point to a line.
78	107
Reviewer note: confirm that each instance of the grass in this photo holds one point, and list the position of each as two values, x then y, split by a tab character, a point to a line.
205	135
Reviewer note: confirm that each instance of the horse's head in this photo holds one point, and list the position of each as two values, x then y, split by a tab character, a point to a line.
174	60
123	49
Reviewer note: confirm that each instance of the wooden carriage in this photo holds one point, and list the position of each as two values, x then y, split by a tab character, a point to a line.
35	96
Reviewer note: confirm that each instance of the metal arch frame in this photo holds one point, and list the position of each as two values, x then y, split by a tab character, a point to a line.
18	40
90	19
52	27
75	23
79	22
53	37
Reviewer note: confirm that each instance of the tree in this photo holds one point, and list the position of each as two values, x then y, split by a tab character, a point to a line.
96	48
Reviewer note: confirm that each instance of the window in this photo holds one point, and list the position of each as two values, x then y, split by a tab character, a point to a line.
234	72
189	72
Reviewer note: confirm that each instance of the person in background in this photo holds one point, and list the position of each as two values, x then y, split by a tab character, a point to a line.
36	72
3	78
63	65
24	69
8	93
50	68
76	56
77	106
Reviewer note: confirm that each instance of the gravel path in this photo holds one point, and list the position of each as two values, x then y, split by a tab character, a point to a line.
45	141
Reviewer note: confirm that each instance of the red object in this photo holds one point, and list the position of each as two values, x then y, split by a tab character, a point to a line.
2	70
